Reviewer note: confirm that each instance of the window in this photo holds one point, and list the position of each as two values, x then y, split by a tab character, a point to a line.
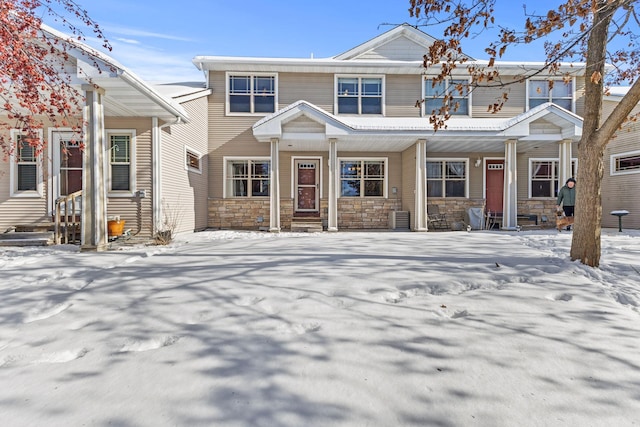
625	163
363	177
121	176
447	178
192	160
25	167
544	177
247	177
455	91
359	95
251	94
560	93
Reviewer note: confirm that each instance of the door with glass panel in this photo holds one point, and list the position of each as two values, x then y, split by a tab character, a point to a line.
307	194
67	163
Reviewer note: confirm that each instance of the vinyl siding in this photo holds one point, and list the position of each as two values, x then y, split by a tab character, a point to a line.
400	49
315	88
184	192
621	191
402	92
136	212
483	97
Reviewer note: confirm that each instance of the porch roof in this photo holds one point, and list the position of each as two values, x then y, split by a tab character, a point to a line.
125	93
462	134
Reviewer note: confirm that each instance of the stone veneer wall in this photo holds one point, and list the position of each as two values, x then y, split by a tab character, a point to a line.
361	213
353	213
456	208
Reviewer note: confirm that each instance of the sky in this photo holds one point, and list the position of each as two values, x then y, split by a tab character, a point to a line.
158	39
348	329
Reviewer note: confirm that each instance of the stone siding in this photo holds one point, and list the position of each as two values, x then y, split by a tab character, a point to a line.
362	214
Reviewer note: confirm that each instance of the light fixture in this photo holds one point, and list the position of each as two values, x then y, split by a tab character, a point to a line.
478	162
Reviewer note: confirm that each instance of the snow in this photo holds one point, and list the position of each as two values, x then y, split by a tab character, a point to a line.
228	328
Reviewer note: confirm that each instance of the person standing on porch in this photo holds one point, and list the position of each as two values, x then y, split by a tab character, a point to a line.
567	197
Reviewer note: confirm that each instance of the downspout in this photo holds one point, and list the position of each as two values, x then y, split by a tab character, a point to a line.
156	139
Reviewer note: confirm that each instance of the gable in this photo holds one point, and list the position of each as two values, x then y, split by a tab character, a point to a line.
399	49
303	124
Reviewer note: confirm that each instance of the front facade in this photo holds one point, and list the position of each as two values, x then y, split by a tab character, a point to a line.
342	140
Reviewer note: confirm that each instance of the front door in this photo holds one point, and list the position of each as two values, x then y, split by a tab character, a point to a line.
68	163
307	177
495	185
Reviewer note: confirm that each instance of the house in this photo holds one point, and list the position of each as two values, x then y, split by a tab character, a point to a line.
340	142
144	158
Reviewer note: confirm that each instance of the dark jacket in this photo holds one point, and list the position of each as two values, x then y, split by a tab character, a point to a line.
567	196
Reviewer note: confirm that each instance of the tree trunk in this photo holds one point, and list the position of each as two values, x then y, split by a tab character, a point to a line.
585	244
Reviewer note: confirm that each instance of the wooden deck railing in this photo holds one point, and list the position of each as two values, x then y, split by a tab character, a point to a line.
67	220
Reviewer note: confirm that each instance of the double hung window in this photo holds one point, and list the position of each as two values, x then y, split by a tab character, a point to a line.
363	177
251	93
26	173
447	178
121	162
544	177
247	177
453	94
359	95
557	91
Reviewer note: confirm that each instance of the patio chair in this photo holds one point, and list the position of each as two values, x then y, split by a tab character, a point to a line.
435	219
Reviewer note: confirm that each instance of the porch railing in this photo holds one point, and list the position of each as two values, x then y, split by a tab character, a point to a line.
67	218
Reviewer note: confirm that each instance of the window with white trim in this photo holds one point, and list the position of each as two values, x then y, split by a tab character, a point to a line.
251	93
121	161
359	95
247	177
625	163
452	93
544	177
447	177
26	167
192	160
558	91
363	177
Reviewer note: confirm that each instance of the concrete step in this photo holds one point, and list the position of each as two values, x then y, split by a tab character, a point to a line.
35	227
306	226
26	239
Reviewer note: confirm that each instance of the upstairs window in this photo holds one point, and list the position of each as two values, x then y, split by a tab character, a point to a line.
359	95
26	174
560	93
453	93
447	178
251	94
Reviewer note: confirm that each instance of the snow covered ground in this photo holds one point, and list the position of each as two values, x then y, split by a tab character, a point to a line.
228	328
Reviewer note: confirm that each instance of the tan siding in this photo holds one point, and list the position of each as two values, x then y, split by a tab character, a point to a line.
482	98
579	94
621	191
400	49
136	212
311	87
184	192
401	94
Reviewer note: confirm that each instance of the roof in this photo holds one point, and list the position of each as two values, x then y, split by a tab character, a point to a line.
398	133
126	94
397	51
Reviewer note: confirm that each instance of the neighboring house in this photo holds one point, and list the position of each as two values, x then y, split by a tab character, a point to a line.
146	154
341	142
621	179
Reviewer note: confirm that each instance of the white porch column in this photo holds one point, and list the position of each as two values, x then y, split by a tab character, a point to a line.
564	165
510	199
332	220
94	194
274	187
420	215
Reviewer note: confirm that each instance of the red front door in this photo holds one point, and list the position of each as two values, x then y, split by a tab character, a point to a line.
306	183
495	185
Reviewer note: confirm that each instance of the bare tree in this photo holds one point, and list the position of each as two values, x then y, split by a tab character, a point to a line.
577	31
34	88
